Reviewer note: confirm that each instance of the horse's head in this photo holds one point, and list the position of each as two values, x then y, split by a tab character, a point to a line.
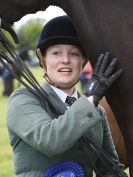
13	10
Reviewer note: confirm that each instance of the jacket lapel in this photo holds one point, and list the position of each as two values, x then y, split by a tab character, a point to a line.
54	98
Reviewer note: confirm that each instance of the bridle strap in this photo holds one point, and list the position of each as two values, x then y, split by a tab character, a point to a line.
8	28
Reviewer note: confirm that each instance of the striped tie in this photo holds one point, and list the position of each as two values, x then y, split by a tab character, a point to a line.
70	100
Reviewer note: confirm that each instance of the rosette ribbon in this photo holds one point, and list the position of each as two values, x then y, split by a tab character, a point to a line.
65	169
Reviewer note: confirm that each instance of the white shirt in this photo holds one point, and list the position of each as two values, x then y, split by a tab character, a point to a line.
63	95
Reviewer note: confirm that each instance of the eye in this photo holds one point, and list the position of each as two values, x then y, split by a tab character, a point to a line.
77	54
56	53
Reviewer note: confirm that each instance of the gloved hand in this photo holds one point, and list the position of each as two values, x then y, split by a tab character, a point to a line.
104	74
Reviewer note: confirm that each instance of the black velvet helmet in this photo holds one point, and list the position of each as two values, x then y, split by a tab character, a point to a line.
59	30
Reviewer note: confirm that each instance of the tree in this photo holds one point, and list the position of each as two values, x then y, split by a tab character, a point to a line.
29	33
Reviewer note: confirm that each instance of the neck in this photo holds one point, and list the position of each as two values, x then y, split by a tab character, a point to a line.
69	91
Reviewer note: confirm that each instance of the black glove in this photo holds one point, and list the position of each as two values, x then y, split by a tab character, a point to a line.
105	73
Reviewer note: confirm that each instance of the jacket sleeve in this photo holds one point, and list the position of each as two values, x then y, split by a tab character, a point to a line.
108	147
29	121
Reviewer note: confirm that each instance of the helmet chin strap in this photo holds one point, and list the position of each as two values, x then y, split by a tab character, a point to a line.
57	86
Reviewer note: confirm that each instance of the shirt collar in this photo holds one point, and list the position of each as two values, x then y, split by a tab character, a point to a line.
62	94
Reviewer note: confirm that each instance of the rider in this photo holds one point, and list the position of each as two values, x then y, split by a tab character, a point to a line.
40	137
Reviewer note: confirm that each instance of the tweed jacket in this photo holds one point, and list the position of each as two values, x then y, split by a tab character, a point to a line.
40	137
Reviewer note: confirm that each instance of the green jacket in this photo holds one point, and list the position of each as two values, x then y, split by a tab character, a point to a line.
41	138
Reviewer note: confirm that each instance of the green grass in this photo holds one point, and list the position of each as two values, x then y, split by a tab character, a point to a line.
6	161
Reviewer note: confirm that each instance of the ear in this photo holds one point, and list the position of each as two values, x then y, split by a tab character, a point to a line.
41	58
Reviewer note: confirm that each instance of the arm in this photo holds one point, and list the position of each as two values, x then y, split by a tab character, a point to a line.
50	135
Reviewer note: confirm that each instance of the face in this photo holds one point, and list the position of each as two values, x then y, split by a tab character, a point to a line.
64	64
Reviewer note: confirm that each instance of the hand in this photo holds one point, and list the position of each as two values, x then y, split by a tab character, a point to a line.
105	73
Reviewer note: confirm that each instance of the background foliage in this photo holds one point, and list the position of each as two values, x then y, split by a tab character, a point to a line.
29	33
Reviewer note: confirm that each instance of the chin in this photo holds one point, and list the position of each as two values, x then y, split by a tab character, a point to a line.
64	84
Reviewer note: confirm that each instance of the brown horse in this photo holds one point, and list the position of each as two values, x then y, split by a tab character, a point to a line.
102	26
116	133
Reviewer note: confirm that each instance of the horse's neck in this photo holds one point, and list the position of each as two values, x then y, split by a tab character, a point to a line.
77	11
101	24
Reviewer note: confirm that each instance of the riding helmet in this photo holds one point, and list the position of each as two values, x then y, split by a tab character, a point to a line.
59	30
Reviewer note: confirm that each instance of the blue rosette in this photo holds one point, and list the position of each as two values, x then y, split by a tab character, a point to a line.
65	169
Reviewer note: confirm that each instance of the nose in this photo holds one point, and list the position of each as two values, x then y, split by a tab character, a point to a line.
66	58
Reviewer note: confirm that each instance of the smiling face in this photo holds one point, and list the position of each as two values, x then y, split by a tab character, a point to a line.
63	64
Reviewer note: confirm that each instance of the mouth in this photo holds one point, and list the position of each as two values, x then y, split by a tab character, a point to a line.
65	70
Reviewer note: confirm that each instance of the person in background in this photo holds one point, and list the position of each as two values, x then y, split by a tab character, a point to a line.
1	70
85	75
43	140
7	81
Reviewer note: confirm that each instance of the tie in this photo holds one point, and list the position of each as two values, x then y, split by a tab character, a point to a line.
70	100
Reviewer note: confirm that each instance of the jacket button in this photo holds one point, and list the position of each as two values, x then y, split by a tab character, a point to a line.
90	114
